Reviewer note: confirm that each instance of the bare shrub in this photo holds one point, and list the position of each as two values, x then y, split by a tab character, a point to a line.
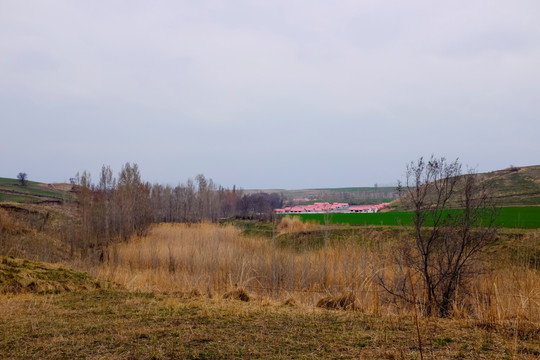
290	302
446	251
291	224
340	302
239	294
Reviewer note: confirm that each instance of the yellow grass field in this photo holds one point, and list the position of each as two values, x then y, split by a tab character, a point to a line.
212	260
169	304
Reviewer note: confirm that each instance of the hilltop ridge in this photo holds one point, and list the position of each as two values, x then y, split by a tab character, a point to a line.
513	186
34	192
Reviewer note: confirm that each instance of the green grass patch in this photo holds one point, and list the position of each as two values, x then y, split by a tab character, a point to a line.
524	217
17	198
388	218
14	183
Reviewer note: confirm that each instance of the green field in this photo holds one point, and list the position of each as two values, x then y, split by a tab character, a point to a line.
526	217
11	190
17	198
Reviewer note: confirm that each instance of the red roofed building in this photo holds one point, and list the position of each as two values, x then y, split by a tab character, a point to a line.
322	207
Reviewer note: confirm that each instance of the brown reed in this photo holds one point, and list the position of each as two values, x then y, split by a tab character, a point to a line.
213	260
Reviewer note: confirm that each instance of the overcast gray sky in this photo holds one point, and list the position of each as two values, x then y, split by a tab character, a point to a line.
267	94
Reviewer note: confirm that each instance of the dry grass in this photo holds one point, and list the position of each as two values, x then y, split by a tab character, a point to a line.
239	294
213	260
292	224
31	232
216	259
10	226
19	276
127	325
341	302
200	264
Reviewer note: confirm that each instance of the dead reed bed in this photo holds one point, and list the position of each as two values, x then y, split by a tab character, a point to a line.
290	224
213	260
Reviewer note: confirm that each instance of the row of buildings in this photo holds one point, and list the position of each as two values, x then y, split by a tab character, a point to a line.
324	207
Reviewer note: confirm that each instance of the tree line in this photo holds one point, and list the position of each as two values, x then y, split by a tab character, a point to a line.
119	207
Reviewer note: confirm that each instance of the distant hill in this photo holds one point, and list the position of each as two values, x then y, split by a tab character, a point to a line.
352	195
34	192
515	185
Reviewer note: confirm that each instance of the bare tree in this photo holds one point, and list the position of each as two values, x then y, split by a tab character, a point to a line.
134	201
107	184
452	222
22	177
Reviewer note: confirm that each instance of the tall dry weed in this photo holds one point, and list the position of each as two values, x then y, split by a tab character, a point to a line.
290	224
8	224
213	260
216	259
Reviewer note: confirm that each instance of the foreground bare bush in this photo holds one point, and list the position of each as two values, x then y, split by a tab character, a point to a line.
447	249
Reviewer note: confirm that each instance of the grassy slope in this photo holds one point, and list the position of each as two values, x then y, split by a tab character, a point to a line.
122	325
37	230
11	190
19	276
82	320
516	186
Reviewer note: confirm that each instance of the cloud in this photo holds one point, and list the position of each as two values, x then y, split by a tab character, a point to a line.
219	85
